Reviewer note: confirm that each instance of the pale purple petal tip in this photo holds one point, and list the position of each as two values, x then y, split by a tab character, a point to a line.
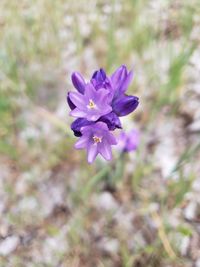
105	151
92	152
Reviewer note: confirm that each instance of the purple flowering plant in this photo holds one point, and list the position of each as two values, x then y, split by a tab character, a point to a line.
97	106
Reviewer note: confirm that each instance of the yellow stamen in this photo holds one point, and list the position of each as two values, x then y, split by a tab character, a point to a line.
91	104
97	139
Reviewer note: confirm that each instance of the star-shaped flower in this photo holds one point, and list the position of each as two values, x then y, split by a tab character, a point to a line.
92	104
96	139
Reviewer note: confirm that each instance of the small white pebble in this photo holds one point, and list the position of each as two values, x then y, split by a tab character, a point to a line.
106	201
109	245
8	245
184	245
190	211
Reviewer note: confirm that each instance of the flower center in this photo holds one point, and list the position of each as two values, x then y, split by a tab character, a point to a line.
91	104
97	139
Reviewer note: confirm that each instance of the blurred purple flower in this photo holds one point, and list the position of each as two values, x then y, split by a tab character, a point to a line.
91	105
128	142
96	139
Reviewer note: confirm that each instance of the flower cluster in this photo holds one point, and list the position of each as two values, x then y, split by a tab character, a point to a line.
97	106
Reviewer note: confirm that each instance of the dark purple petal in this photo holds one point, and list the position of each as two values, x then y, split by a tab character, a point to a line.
124	105
78	82
71	105
111	120
78	124
99	76
100	80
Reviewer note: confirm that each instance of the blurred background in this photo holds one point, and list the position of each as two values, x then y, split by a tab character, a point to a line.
55	209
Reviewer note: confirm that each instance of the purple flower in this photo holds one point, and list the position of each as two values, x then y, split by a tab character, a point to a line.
97	106
128	142
96	139
116	85
91	105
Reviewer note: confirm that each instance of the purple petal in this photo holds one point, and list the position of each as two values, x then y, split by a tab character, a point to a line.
90	91
102	95
77	113
78	82
121	79
87	129
101	125
100	80
119	76
102	100
94	128
111	120
78	124
126	82
77	99
99	76
92	117
105	150
91	152
124	105
71	105
82	142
